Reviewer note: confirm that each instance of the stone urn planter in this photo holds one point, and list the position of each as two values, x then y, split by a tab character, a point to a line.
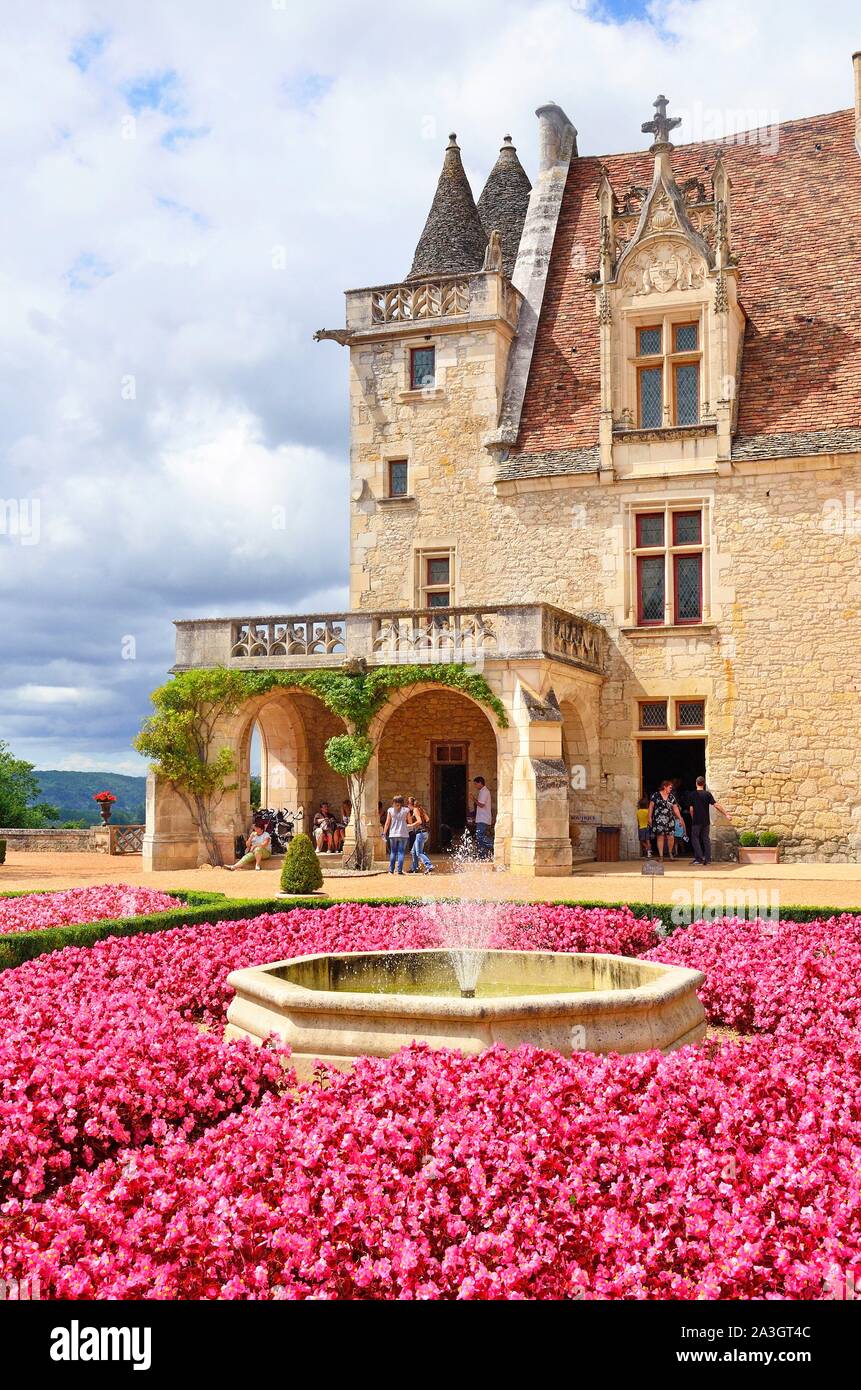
105	802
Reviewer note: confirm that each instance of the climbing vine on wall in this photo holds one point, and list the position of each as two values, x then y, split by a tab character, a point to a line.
180	736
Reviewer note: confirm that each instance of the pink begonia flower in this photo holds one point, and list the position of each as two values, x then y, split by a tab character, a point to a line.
143	1157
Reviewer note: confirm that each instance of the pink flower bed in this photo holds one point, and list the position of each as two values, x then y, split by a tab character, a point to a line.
722	1173
792	979
181	1168
35	911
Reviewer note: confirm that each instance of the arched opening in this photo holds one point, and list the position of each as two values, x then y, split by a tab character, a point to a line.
285	735
432	746
580	754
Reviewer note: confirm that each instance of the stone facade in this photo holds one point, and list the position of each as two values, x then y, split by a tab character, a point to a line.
529	465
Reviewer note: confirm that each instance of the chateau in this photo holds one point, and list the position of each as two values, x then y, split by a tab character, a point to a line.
606	449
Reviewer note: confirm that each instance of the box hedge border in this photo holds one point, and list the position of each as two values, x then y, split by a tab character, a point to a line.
17	947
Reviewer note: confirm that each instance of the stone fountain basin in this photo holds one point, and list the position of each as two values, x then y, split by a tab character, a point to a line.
335	1008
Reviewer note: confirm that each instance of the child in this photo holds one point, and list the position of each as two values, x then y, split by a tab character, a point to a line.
643	830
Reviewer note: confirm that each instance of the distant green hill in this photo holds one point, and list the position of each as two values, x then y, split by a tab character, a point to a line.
72	794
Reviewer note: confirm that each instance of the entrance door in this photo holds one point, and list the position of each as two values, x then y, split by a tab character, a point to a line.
449	794
681	759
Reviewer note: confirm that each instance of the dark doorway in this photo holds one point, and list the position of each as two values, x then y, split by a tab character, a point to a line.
449	804
676	758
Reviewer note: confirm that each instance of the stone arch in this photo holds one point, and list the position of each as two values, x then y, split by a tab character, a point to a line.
408	731
294	726
582	757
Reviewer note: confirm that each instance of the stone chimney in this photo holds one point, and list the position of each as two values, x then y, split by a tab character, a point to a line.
557	138
856	64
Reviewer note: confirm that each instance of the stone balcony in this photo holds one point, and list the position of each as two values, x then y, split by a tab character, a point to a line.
446	301
473	636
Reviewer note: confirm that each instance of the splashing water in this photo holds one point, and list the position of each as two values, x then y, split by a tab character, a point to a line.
466	931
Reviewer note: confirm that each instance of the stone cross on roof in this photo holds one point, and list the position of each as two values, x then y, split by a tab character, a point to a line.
661	124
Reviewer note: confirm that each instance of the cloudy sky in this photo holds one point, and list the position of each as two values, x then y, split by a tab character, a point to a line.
188	189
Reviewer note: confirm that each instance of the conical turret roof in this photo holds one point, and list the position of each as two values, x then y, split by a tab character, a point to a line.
504	200
454	240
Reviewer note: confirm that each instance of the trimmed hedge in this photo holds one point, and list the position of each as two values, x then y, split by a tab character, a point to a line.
18	947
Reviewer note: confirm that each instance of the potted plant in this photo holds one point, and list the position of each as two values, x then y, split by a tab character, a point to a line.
105	801
761	848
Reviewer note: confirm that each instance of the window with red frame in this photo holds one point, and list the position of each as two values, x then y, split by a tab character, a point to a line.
668	554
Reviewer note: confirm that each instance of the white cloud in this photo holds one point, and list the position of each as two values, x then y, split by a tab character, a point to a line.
160	388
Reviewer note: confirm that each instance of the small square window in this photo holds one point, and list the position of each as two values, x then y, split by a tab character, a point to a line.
686	337
687	528
439	599
422	368
398	478
653	714
650	529
648	341
690	714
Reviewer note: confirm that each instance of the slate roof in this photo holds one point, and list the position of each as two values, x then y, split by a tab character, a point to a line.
453	241
504	200
796	226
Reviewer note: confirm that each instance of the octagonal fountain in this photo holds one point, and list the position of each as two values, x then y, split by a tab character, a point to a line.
335	1008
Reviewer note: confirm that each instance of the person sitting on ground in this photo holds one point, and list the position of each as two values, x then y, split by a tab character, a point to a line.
325	830
258	848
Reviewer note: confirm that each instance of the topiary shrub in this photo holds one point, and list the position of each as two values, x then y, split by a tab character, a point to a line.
747	838
2	851
301	872
768	839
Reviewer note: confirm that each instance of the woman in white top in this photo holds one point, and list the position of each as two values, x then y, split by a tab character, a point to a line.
397	830
258	847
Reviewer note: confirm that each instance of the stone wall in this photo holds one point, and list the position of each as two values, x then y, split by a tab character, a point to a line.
96	839
778	663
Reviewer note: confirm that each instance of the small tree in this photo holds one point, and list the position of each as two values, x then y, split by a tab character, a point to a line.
19	788
180	739
301	872
349	755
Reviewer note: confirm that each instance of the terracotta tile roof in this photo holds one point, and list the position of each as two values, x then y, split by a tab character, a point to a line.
796	226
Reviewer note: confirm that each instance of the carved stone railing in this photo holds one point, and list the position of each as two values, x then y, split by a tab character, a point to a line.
403	636
430	299
449	634
573	638
324	636
485	296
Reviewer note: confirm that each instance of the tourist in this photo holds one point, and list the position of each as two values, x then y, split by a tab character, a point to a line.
701	802
664	816
325	829
395	829
644	834
483	817
382	815
419	823
258	848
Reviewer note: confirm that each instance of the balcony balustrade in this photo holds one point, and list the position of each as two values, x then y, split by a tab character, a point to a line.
474	636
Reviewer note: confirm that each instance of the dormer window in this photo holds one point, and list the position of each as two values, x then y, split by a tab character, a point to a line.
667	361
